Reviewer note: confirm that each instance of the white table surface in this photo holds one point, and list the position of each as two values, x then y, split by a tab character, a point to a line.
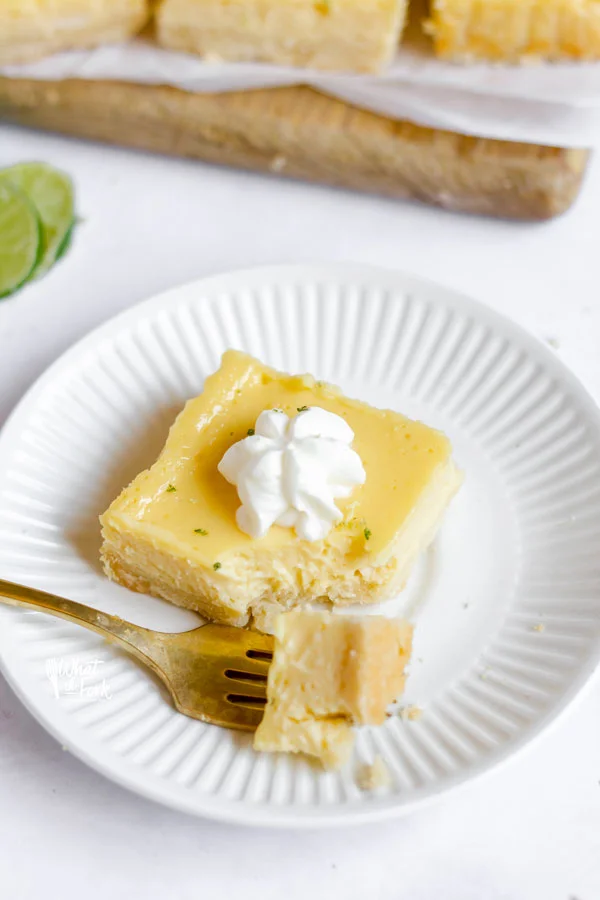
530	831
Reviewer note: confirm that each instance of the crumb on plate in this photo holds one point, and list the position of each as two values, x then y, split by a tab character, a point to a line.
369	777
409	713
278	163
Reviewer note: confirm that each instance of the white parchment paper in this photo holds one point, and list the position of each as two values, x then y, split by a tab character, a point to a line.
545	103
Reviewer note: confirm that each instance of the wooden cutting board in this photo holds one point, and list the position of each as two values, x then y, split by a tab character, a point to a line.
300	133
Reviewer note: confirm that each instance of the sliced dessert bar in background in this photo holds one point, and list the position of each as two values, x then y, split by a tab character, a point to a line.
345	35
32	29
515	30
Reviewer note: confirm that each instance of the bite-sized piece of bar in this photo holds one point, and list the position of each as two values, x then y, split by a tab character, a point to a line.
328	673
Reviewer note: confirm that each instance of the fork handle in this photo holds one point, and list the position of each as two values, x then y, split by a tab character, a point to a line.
132	638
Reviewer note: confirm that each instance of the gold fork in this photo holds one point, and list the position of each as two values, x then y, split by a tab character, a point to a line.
215	672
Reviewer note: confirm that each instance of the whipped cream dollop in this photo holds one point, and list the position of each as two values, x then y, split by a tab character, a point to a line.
290	471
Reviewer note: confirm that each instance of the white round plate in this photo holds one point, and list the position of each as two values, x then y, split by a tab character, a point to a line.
506	603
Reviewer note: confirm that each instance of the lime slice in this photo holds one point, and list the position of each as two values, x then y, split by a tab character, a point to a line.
51	192
20	238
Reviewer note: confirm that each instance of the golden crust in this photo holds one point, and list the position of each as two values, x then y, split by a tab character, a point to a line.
207	602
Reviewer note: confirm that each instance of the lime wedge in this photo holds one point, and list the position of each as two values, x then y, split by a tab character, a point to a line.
51	192
20	238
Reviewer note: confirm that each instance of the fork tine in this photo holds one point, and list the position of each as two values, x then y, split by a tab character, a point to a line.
253	666
241	687
237	648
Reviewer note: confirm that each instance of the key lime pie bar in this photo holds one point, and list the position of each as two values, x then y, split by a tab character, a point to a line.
275	490
31	29
352	35
515	30
328	673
